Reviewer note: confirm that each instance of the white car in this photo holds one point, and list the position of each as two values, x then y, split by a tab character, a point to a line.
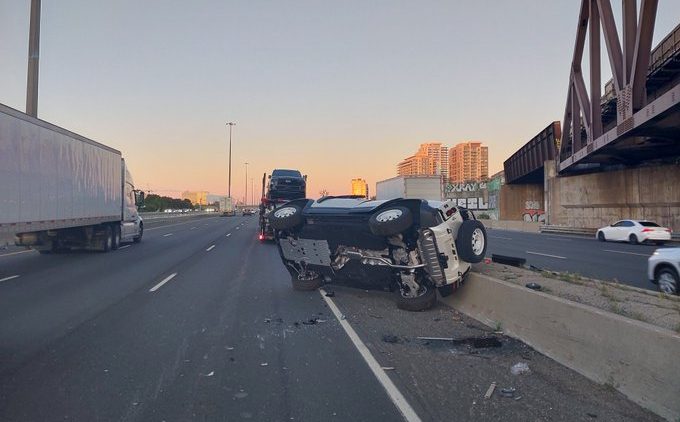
634	231
663	269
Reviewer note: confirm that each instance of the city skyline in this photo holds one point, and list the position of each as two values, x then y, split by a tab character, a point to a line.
464	161
161	94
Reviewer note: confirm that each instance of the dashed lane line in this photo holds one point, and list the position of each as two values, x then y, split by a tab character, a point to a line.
17	253
210	248
167	234
165	280
627	253
545	254
12	277
392	391
228	234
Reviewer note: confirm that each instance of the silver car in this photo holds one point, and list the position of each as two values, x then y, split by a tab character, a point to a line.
663	269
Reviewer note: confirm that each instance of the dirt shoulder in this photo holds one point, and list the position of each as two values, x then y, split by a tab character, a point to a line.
643	305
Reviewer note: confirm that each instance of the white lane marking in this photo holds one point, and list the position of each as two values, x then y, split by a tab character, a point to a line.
165	280
545	254
228	234
12	277
395	395
560	238
124	246
17	253
210	248
192	228
167	234
628	253
500	237
172	225
238	227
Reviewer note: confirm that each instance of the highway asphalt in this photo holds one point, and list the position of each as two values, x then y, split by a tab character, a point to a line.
198	322
610	261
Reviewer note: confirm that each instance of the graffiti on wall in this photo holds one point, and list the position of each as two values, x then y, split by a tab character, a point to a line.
472	203
464	187
533	212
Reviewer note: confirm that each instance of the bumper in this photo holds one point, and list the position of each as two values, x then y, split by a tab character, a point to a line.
660	236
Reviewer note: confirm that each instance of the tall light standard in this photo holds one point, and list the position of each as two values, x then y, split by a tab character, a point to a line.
33	57
230	124
245	197
252	192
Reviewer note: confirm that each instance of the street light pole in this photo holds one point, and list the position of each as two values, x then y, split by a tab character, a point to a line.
252	192
33	57
245	197
230	124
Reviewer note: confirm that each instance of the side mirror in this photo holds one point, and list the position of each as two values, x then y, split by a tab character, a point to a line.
139	198
305	177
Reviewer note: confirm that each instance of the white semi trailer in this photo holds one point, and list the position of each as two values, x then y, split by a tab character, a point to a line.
60	190
418	187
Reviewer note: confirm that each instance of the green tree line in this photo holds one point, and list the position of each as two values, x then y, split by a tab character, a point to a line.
153	203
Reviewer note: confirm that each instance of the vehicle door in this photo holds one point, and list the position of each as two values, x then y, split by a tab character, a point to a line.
627	227
613	232
130	213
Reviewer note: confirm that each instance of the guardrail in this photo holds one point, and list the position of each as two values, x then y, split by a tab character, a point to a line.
584	231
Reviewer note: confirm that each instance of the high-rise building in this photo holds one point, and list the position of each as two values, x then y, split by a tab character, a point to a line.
196	197
360	187
468	161
431	159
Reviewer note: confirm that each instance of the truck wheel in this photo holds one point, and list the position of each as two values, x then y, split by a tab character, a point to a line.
286	217
108	239
306	285
426	299
390	221
471	241
141	233
116	238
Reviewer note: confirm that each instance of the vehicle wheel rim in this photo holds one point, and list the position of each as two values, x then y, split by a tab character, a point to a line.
477	241
285	212
388	215
668	283
421	292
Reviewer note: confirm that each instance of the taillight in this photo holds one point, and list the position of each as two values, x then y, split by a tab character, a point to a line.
261	237
647	230
669	230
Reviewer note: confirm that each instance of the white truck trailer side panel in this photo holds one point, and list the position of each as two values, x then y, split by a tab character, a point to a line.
417	187
52	178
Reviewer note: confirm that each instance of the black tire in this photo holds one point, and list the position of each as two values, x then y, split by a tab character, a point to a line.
306	285
390	221
108	239
116	238
632	239
286	217
425	301
141	233
667	279
471	241
600	237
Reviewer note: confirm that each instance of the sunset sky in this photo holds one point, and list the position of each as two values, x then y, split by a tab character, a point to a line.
337	89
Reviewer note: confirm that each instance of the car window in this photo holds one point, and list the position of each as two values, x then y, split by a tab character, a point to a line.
286	173
649	224
627	224
618	224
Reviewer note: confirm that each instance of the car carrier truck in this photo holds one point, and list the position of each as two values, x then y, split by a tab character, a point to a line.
60	190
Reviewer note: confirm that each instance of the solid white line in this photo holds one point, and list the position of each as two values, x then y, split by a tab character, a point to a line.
9	278
629	253
500	237
545	254
228	234
172	225
210	248
560	238
124	246
167	234
17	253
395	395
165	280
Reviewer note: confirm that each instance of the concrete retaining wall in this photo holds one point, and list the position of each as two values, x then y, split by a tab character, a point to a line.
638	359
522	226
522	202
599	199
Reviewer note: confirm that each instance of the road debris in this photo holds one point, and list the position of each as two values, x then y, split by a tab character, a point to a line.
229	348
520	368
330	293
264	364
490	391
391	338
313	321
387	368
209	374
476	342
533	286
508	392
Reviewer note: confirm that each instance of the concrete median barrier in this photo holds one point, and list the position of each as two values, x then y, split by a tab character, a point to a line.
522	226
638	359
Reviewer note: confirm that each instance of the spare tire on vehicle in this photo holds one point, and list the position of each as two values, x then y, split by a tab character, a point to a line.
471	241
390	221
286	217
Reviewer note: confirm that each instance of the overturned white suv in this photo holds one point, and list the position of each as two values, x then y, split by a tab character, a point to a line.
412	246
